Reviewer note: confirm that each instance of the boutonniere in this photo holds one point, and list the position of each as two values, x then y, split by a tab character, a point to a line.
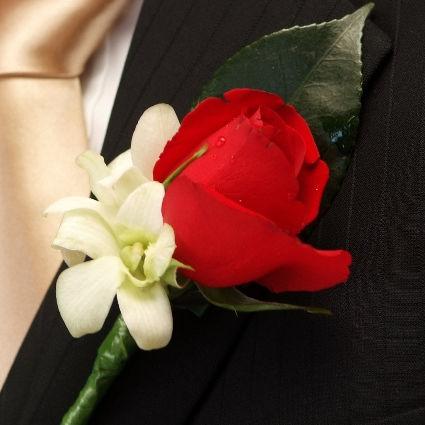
194	211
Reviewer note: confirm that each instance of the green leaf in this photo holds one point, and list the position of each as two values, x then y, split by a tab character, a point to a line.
233	299
317	68
188	298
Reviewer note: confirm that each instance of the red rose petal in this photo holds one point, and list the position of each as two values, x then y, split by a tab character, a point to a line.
299	124
312	180
310	270
289	140
225	243
229	245
244	166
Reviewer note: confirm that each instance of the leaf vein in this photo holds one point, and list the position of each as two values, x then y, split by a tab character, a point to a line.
322	59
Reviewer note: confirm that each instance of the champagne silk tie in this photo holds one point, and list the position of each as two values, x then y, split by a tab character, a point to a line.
44	46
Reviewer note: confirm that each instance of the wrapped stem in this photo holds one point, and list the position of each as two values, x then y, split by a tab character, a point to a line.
111	358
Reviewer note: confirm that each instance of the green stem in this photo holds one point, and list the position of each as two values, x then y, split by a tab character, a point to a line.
111	358
181	167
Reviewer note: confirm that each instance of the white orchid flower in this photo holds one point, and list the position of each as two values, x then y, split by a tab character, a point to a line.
129	247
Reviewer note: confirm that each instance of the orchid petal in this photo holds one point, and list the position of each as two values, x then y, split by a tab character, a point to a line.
87	232
147	314
97	170
124	176
94	165
131	255
121	163
141	213
72	257
72	203
121	185
140	282
156	126
159	254
85	293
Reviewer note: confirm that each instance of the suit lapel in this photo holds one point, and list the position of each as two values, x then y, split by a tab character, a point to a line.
177	46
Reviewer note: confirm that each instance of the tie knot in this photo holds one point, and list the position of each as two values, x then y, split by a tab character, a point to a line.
52	38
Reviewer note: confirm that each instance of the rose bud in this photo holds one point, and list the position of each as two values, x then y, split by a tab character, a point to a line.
237	211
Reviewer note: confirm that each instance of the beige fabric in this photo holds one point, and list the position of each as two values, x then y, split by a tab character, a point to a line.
44	46
52	37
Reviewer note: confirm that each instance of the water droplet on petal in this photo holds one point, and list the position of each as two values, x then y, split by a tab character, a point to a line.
220	142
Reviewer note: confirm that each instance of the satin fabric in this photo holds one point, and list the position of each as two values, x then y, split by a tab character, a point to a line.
44	46
52	38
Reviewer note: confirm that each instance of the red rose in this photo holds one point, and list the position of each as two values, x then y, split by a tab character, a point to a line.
238	209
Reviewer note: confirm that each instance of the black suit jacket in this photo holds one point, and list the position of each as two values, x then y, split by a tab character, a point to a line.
364	365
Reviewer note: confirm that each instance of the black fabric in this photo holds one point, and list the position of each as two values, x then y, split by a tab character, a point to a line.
365	364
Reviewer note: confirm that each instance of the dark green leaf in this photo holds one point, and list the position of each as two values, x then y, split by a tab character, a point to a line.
189	298
233	299
317	68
